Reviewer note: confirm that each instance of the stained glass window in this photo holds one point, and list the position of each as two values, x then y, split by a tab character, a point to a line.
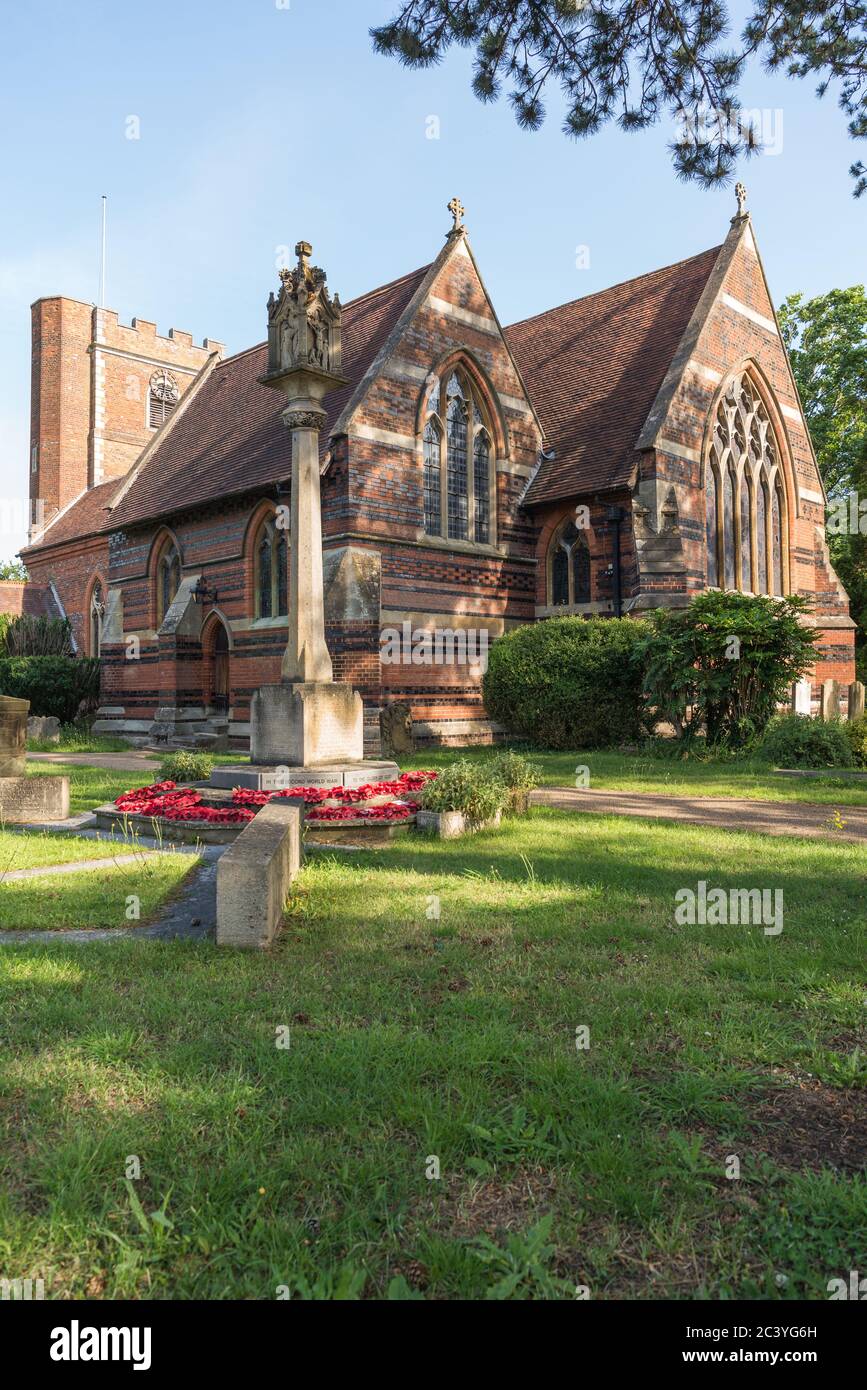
560	578
570	568
762	539
457	457
482	481
729	530
282	576
777	539
711	510
746	537
168	582
432	495
96	612
266	603
457	470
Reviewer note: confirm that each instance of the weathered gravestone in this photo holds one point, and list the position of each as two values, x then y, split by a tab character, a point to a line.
856	700
22	798
803	698
830	708
13	735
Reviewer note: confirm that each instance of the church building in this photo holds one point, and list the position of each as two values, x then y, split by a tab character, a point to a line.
618	453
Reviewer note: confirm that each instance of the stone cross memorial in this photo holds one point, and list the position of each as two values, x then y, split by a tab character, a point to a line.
309	730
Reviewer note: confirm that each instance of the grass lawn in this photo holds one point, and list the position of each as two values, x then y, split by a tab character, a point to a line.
74	740
93	898
90	786
431	994
34	850
641	772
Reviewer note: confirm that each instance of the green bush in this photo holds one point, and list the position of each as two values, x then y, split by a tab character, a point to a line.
28	636
186	766
569	682
518	775
797	740
56	686
472	788
856	732
725	663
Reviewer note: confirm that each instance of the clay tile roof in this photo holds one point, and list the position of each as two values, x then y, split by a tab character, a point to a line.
593	369
85	517
231	437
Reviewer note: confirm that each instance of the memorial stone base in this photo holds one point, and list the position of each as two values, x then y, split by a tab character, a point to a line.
307	724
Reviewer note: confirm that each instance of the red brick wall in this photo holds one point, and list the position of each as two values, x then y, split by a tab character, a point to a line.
74	567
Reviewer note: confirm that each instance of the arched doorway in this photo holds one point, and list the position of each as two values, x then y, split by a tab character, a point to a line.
220	693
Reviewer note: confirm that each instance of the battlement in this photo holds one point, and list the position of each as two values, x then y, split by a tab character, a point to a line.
94	381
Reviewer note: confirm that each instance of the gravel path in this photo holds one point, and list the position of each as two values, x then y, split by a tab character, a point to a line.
768	817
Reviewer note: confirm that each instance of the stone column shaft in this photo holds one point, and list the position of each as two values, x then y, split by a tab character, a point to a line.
306	658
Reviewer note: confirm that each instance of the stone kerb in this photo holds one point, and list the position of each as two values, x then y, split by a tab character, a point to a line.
255	874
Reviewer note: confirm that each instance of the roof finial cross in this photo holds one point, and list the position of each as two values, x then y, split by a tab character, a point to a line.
741	195
457	210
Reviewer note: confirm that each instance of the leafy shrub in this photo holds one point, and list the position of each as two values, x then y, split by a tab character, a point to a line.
569	682
186	766
856	732
797	740
29	636
472	788
725	663
54	685
518	775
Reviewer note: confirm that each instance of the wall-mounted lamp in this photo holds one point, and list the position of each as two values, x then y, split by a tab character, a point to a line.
203	593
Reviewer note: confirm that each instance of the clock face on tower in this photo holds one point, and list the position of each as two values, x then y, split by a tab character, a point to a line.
164	387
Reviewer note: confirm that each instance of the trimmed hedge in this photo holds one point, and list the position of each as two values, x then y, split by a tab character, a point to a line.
569	682
54	685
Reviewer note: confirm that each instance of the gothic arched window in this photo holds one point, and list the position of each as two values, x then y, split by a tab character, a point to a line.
163	395
745	496
432	489
457	456
97	612
271	576
568	567
168	580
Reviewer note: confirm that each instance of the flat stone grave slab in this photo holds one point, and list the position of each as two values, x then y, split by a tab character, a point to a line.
278	779
26	799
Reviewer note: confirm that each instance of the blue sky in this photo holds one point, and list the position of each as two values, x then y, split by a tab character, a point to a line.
263	121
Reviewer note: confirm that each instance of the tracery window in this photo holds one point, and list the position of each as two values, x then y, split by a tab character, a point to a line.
168	580
271	557
745	496
568	567
97	612
457	450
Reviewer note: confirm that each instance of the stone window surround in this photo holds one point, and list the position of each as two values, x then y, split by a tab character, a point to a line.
265	526
767	472
473	395
554	544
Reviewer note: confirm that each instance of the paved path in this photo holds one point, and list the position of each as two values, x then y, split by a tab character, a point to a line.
768	817
131	761
78	866
191	916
